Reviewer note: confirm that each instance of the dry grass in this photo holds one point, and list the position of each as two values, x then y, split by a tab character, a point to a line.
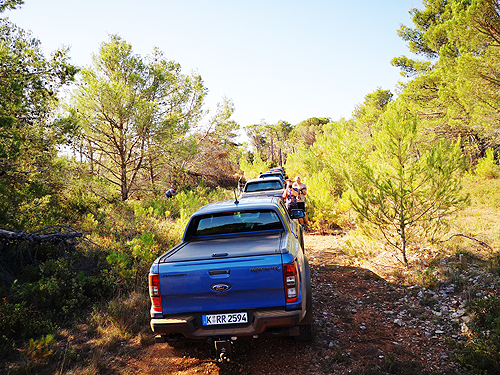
473	236
118	329
482	218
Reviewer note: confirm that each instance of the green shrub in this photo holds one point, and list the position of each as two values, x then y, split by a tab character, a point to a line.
161	207
41	348
481	355
49	286
130	261
429	279
251	169
495	264
17	322
66	280
61	290
487	167
323	168
326	205
79	200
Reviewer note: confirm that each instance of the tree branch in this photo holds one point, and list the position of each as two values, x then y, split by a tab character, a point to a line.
482	243
35	237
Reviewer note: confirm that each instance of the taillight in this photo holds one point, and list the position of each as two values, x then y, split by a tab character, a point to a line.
290	274
154	292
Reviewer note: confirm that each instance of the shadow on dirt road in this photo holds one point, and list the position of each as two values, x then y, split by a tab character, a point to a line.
363	325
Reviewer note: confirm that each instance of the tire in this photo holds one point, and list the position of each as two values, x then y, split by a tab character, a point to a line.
308	319
306	333
301	238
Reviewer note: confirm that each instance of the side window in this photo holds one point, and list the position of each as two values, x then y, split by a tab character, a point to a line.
277	185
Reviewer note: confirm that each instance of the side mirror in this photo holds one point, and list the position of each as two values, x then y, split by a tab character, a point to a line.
298	214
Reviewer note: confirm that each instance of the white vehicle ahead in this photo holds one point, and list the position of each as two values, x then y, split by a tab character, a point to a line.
269	186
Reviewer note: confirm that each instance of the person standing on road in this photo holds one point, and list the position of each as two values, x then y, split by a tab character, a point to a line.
301	200
290	197
241	184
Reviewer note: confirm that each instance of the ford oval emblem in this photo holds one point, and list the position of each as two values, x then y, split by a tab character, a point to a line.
221	287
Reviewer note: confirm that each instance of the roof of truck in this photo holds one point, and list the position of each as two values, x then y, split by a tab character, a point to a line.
260	179
272	174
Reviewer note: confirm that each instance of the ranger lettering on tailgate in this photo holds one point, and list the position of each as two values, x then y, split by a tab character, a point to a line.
264	269
175	275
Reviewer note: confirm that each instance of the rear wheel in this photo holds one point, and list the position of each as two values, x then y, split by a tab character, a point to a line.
306	328
308	319
301	238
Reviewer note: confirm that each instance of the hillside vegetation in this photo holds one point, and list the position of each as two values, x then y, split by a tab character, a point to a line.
410	179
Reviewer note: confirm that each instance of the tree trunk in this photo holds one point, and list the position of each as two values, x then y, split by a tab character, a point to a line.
123	179
403	244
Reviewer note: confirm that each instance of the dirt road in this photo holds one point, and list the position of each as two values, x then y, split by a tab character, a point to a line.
363	325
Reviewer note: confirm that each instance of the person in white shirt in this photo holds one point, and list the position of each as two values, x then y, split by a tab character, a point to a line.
301	200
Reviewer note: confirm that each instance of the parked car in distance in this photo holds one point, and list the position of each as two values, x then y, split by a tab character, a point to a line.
273	174
271	186
279	169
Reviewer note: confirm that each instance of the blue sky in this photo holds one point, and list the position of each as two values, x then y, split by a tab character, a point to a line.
276	59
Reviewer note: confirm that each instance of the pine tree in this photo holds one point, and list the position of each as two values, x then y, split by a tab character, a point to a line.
405	187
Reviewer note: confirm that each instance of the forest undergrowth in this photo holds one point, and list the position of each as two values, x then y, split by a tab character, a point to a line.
66	312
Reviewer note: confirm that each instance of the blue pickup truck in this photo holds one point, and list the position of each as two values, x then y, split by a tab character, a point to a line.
239	271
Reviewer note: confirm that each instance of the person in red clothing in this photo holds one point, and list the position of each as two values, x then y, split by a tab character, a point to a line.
290	197
301	200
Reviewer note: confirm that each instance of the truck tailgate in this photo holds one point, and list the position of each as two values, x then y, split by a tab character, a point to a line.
197	278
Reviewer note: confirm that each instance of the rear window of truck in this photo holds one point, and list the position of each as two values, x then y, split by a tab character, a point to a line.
263	186
236	222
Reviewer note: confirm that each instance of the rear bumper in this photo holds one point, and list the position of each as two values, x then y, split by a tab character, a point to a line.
189	327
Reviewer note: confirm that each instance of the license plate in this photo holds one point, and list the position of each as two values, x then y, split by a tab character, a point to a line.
230	318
